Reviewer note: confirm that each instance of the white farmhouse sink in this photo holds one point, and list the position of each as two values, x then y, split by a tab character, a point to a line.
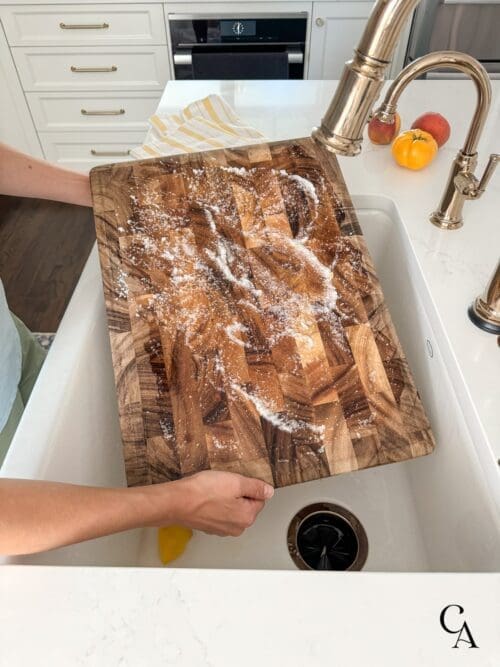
431	514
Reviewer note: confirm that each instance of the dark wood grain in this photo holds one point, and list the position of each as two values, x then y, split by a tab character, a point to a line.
248	327
43	248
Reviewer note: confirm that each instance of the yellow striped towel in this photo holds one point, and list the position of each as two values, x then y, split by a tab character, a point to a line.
203	125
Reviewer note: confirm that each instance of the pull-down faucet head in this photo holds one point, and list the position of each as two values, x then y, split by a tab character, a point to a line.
341	129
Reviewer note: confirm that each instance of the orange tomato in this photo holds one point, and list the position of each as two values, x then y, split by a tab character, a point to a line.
414	149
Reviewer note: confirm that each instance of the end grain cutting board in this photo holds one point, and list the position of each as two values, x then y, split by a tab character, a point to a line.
248	328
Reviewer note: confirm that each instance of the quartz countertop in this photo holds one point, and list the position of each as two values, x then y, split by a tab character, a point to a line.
130	617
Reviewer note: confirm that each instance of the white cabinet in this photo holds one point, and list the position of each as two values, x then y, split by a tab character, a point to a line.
335	31
76	112
52	25
16	126
84	150
88	77
65	68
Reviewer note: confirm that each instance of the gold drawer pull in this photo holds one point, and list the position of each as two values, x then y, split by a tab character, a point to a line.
113	68
84	26
118	112
110	153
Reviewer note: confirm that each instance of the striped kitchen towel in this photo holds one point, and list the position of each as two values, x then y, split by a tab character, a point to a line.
203	125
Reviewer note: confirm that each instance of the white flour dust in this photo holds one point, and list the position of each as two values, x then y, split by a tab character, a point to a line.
233	329
121	285
206	281
222	258
304	183
277	419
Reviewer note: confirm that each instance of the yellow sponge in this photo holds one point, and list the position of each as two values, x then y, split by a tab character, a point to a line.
172	542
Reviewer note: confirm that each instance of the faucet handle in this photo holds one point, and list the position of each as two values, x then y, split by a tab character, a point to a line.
469	185
488	172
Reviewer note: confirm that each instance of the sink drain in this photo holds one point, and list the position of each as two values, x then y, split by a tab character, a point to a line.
324	536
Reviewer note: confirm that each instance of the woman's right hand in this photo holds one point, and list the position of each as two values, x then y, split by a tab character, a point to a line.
218	503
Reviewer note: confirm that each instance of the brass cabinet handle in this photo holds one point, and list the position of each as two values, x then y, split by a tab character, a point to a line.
113	68
110	153
117	112
84	26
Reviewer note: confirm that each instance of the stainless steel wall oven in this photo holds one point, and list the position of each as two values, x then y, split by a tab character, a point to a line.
263	46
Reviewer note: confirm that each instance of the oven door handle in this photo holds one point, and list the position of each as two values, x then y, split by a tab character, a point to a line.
295	57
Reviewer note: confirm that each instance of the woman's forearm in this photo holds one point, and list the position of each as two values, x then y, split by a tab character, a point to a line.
22	175
36	516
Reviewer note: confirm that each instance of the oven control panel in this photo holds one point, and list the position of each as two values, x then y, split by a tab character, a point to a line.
185	32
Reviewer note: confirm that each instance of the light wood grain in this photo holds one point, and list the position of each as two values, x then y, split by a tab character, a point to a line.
248	327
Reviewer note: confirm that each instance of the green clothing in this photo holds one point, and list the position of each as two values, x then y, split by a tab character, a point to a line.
33	358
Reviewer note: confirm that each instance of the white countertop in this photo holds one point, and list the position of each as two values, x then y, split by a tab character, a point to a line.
130	616
101	617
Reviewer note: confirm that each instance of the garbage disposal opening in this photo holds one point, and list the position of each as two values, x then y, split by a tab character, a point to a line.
324	536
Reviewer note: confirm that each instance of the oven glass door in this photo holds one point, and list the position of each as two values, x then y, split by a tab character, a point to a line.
183	60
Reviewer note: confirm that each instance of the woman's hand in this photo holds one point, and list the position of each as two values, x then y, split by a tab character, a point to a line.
218	503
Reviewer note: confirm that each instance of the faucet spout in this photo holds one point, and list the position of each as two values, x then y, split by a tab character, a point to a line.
341	129
452	60
462	184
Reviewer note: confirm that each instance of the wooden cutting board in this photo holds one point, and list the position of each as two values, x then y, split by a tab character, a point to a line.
248	328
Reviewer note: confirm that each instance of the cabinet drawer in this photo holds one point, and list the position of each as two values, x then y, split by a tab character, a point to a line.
58	112
93	68
84	151
31	25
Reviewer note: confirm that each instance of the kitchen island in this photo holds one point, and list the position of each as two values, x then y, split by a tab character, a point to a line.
219	617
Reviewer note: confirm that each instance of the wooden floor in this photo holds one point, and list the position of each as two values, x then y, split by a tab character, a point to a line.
43	249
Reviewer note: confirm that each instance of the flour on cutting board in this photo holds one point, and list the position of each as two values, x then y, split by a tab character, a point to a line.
179	267
121	284
232	331
248	328
278	419
304	183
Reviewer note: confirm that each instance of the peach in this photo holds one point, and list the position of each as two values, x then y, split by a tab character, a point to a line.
383	133
434	124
